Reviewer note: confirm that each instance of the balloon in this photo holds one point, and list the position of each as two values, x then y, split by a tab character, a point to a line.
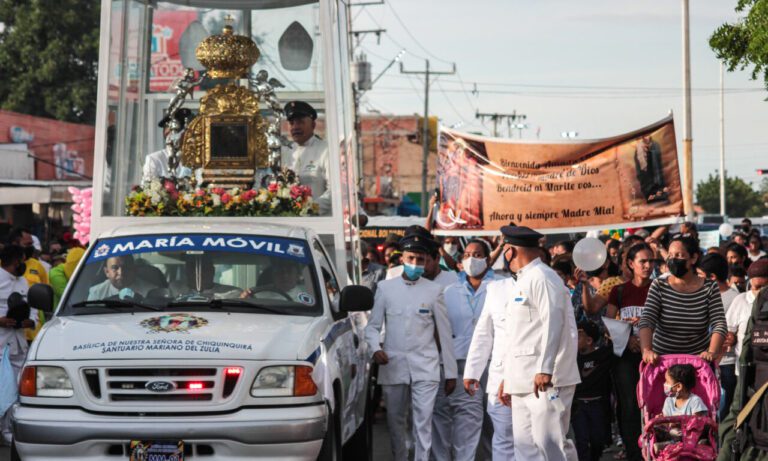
726	230
589	254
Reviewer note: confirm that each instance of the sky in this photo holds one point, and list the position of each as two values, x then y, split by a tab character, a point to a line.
595	67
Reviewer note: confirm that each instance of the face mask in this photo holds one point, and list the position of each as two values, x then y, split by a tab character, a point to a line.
474	266
20	269
450	248
412	271
677	266
668	390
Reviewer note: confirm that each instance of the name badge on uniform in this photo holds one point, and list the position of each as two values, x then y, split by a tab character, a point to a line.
423	311
520	299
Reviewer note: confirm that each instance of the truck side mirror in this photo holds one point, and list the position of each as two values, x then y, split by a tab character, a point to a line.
356	298
40	297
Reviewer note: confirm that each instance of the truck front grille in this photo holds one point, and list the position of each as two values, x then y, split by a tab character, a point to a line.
156	385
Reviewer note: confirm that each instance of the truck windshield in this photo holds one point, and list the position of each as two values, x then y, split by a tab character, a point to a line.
240	273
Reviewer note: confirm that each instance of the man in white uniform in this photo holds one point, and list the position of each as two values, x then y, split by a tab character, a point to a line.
540	368
12	333
121	280
309	157
458	418
156	163
489	340
741	308
413	311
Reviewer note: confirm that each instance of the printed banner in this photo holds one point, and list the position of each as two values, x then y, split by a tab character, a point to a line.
286	248
629	180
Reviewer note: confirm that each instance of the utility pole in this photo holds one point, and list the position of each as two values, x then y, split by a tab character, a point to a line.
495	117
722	140
425	127
687	136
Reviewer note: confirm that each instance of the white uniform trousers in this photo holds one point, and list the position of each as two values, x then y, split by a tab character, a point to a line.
541	425
456	422
421	396
503	443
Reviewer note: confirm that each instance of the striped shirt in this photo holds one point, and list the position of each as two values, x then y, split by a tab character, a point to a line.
681	322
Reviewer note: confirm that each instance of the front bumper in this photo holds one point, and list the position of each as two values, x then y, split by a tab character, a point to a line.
251	433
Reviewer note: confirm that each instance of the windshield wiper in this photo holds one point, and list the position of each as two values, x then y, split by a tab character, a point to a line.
222	303
115	303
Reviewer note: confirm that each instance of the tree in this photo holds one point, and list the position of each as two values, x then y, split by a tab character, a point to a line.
743	44
740	198
49	53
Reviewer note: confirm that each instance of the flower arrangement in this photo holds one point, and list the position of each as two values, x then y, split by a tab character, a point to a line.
160	197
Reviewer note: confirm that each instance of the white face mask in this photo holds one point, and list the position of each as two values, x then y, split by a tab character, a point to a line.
474	266
450	248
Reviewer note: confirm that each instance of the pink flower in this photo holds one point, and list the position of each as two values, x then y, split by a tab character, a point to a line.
200	192
169	185
218	190
306	192
296	191
248	195
272	187
225	198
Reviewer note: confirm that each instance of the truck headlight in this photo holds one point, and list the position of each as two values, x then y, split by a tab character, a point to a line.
284	380
45	382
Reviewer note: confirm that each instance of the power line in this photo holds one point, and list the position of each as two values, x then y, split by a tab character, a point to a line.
415	40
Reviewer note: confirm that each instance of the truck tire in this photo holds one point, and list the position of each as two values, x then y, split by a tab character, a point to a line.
14	454
360	445
331	449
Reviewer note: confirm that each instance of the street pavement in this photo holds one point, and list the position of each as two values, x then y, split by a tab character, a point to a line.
381	451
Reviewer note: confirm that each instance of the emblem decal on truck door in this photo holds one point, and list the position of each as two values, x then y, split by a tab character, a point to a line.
179	323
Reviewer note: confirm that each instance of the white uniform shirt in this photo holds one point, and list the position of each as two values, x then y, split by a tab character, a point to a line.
490	338
738	315
728	296
541	331
156	166
464	306
754	258
411	311
310	163
17	339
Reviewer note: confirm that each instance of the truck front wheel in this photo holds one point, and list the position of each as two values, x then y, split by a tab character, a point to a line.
331	449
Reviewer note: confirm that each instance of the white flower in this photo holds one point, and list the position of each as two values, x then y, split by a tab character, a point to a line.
155	186
262	197
216	199
154	198
188	197
284	192
275	203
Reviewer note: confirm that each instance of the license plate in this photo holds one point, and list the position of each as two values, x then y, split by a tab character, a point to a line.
157	450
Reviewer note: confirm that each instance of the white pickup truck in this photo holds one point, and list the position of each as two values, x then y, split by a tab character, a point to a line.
225	342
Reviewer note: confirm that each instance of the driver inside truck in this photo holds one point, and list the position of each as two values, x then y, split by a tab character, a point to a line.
199	275
122	280
281	282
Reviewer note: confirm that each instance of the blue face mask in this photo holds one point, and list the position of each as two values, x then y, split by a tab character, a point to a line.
412	271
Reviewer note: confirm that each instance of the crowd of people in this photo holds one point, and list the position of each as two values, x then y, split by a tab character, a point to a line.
26	261
502	347
516	317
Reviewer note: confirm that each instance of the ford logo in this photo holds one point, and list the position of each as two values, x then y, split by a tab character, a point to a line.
160	386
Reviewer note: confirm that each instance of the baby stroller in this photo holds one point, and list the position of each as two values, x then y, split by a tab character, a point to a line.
679	438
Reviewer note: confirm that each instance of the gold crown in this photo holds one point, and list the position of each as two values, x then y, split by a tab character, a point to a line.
227	55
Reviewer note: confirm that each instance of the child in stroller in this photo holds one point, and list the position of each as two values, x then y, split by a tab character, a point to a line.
679	398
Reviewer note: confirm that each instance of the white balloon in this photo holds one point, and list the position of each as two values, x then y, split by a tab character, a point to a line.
726	230
589	254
